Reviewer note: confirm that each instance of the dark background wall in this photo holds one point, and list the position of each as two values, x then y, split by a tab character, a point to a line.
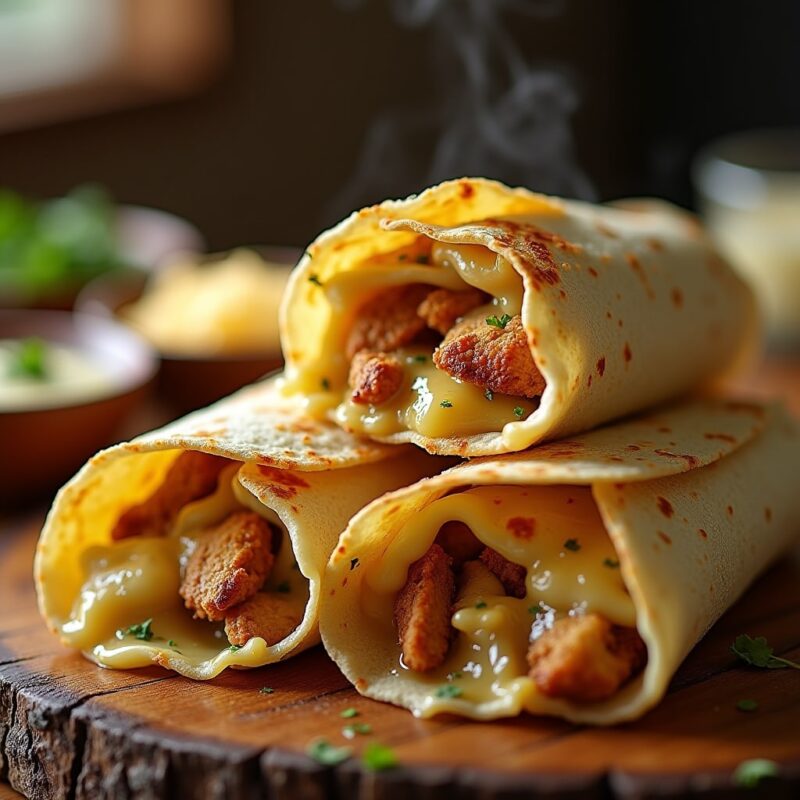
268	153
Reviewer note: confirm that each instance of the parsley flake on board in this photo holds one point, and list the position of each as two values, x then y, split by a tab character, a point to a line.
747	705
752	772
349	713
356	729
378	756
29	360
323	752
266	690
141	630
498	322
572	544
315	280
489	394
446	404
519	412
448	690
758	653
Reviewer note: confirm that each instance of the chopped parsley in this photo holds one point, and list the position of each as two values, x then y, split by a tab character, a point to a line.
481	604
420	359
356	729
611	563
29	360
454	676
172	643
758	653
349	713
572	544
141	630
423	258
326	384
266	690
309	254
353	563
519	412
283	587
315	280
498	322
535	609
323	752
751	773
747	705
446	404
489	394
378	756
448	690
234	647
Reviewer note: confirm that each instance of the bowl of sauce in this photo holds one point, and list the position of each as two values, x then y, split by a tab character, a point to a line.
67	382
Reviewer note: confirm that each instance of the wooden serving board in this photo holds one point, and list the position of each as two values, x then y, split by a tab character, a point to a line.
71	730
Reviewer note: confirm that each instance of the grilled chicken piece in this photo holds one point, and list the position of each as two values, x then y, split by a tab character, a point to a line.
511	575
442	308
494	358
388	320
585	659
375	377
193	475
267	614
422	611
459	542
228	566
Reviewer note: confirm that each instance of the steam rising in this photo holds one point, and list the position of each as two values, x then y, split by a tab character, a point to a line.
494	114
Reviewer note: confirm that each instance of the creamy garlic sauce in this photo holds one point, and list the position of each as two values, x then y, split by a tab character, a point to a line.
69	376
555	532
430	402
138	579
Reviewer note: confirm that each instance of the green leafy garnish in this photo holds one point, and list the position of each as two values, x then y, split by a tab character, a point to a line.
29	360
266	690
378	756
481	604
448	691
747	705
454	676
749	774
309	254
420	359
315	280
234	647
572	544
323	752
141	630
489	394
498	322
283	587
758	653
519	412
349	713
172	643
611	563
356	729
326	384
446	404
535	609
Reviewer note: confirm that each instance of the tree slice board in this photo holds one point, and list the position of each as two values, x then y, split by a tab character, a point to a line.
71	730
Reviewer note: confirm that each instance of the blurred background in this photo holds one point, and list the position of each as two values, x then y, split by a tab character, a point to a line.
258	124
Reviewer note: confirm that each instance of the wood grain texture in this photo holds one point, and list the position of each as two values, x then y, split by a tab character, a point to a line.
71	730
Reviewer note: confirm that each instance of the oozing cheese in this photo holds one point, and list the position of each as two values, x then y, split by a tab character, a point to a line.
430	401
138	579
555	532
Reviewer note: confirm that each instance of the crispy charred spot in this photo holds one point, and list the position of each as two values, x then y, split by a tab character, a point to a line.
521	527
722	437
601	366
465	190
677	297
633	447
626	352
768	514
665	507
729	511
664	538
691	461
593	272
638	270
703	534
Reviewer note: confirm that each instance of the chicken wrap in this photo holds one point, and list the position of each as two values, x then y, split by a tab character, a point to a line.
476	319
569	580
201	546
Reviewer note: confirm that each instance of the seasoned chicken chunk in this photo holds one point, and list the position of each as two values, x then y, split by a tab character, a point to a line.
229	564
459	542
511	575
443	307
585	659
268	615
492	357
375	377
193	475
422	611
388	320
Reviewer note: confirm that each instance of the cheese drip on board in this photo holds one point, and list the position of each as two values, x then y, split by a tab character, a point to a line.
557	534
136	580
430	401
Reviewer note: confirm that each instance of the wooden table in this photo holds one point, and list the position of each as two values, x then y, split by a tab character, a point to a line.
71	730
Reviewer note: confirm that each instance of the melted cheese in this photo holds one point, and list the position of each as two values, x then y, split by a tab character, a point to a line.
430	402
555	532
134	580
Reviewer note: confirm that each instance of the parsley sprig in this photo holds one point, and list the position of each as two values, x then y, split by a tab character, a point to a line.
757	653
498	322
141	630
29	360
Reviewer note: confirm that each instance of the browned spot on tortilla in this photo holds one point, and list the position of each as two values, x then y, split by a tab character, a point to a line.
283	483
361	684
692	461
562	294
677	297
703	534
605	230
608	315
655	244
466	189
638	270
601	366
722	437
341	550
729	510
768	514
665	429
633	447
589	382
664	538
344	582
616	458
593	272
521	527
626	352
665	507
748	408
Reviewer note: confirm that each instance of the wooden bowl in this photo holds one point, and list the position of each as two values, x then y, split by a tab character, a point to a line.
44	446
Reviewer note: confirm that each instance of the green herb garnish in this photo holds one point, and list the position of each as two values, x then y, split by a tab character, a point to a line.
142	630
498	322
519	412
315	280
172	643
266	690
378	756
446	404
535	609
420	359
323	752
309	254
747	705
448	691
283	587
481	604
489	394
611	563
572	544
751	773
454	676
234	647
349	713
29	360
759	654
356	729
